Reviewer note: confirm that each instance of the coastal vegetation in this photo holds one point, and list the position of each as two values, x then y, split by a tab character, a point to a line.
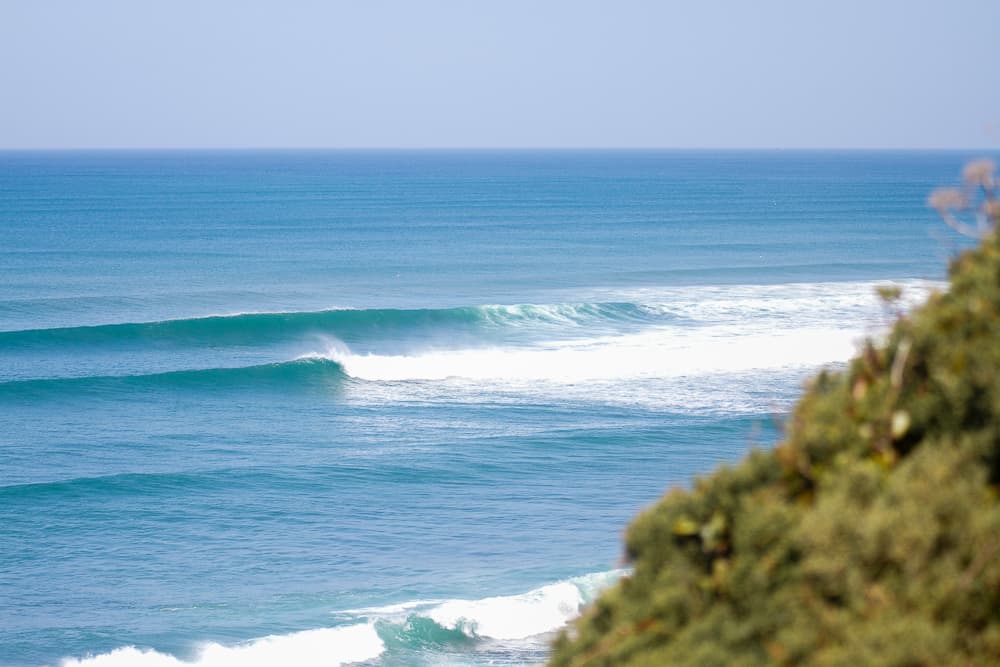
869	536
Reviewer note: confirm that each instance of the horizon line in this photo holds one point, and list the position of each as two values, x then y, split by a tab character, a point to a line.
456	149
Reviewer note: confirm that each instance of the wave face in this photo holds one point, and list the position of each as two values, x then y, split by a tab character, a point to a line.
298	374
259	329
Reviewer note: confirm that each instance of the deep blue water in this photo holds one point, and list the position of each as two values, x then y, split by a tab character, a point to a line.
397	407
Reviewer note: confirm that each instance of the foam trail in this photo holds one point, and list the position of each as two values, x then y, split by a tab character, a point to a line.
324	647
665	352
810	302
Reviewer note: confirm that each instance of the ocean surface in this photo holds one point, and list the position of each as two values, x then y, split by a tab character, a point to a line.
396	408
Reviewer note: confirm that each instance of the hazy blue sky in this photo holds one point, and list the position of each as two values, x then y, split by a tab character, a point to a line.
372	73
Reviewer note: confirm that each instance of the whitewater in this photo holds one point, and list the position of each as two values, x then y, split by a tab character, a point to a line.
396	408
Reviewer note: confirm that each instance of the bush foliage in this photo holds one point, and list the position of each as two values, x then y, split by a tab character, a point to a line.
869	536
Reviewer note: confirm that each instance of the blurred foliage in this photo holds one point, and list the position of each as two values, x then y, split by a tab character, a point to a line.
869	536
973	209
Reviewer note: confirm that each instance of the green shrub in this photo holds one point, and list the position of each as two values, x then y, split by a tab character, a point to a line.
870	536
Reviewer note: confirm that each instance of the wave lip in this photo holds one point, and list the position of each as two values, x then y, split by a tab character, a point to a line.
323	647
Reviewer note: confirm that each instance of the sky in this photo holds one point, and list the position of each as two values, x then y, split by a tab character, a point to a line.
499	74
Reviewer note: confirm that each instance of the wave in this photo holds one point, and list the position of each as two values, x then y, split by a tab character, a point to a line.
509	617
662	353
300	374
248	329
708	304
668	353
669	333
371	632
135	484
530	614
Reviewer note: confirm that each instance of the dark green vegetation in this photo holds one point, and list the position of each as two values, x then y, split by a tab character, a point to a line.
870	536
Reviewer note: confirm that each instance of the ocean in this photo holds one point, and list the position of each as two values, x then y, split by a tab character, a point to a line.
396	408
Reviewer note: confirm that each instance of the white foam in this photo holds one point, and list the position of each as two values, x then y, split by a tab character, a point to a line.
536	612
659	353
708	330
324	647
733	349
714	301
514	617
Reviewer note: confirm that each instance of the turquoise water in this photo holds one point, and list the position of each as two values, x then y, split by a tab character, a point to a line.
396	407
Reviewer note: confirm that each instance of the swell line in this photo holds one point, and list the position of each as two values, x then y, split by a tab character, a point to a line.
302	373
346	324
222	480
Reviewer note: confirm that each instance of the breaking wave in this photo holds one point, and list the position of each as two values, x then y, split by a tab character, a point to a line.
653	354
658	334
365	634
